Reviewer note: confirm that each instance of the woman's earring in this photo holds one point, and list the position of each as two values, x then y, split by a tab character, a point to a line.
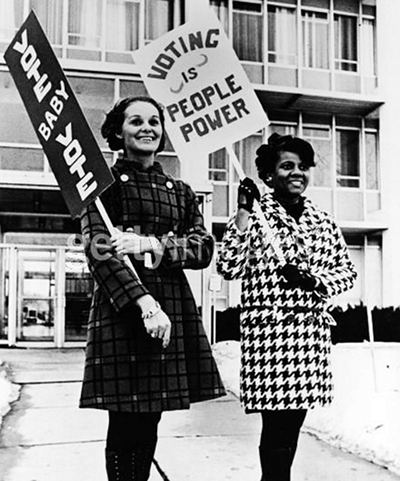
268	180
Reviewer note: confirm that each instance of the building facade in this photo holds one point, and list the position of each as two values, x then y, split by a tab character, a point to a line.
325	70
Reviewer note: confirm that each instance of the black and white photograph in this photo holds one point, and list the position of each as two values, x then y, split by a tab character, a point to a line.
199	240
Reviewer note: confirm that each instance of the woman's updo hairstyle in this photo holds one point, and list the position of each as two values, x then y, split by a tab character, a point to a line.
112	125
269	154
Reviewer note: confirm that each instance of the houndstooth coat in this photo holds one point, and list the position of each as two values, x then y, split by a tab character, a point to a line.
125	369
285	333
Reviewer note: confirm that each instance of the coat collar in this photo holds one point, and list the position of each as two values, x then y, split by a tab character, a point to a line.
125	164
273	209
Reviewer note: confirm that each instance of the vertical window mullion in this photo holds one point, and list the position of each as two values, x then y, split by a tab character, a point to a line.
363	169
103	37
264	57
142	28
359	23
331	60
300	46
334	168
64	34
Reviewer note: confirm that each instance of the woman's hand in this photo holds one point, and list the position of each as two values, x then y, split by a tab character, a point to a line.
247	193
125	242
296	277
158	326
156	321
130	243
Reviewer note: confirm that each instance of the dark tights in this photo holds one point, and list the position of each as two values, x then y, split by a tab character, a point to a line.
127	431
278	444
130	447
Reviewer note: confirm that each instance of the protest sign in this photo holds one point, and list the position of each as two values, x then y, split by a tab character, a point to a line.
209	101
194	72
67	140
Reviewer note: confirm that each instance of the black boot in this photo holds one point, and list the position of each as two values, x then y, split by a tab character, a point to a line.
276	464
130	465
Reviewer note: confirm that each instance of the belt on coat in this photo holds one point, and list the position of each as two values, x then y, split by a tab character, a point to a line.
315	312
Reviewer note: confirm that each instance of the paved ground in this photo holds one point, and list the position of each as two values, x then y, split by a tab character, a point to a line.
47	438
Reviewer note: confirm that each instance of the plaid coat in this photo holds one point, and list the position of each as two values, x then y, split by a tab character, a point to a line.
285	333
126	369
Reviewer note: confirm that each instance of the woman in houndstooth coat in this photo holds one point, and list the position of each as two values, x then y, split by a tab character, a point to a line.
285	327
147	351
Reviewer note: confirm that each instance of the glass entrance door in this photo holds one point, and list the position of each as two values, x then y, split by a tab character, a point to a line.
36	295
78	295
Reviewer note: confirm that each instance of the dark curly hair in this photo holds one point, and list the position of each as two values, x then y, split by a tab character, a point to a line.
269	154
112	124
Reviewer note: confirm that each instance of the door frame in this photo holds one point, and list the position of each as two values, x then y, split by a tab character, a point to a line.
15	297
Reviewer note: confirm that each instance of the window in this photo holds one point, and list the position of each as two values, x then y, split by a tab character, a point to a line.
94	30
354	296
371	160
346	43
247	32
282	35
246	152
315	39
125	38
368	47
50	13
159	18
17	159
11	17
84	29
95	96
282	129
220	8
348	158
366	254
15	126
321	140
218	166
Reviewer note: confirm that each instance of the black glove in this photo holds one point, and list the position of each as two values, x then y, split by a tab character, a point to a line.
296	277
247	192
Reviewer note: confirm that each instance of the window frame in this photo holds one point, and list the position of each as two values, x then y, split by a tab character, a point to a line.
292	57
261	14
339	62
99	54
349	178
313	25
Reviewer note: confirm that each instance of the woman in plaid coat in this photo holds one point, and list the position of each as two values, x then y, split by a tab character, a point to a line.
285	331
147	351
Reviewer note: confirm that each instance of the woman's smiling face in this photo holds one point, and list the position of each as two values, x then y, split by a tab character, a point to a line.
142	129
290	177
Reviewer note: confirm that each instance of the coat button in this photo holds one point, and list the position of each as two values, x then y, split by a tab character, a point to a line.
169	184
290	318
124	178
